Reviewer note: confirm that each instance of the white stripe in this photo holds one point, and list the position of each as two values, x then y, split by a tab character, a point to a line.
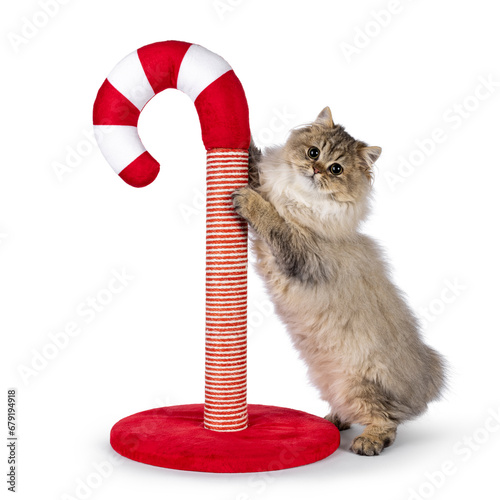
221	330
224	378
242	384
226	165
217	255
231	301
237	421
212	414
227	373
226	267
199	68
221	257
221	189
209	383
229	253
223	213
220	321
227	231
226	393
229	185
241	405
220	428
220	193
226	357
235	237
231	394
120	144
222	411
239	394
227	301
226	153
227	402
217	339
224	216
128	77
228	415
208	312
219	152
232	285
209	331
232	314
216	318
227	169
222	344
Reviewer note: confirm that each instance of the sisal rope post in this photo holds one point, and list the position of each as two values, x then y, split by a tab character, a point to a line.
226	294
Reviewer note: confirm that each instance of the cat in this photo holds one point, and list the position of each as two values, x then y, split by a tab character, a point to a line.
330	283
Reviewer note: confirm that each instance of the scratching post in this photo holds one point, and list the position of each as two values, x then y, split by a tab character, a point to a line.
225	434
226	294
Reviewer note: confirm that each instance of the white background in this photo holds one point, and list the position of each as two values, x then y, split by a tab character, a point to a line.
62	236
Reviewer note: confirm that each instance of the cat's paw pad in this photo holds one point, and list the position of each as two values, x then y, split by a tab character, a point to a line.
337	422
369	446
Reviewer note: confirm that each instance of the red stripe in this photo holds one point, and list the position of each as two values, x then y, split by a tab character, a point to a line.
161	62
229	176
213	316
111	107
228	364
142	171
223	111
224	312
240	294
229	350
214	408
226	396
227	245
232	325
224	377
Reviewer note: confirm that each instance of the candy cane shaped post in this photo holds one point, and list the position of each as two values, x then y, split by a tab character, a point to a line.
221	104
249	437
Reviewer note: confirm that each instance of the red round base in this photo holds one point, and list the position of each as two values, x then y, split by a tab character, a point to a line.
174	437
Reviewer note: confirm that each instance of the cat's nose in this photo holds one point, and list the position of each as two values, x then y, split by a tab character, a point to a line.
316	170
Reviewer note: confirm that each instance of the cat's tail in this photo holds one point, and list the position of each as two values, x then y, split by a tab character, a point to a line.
436	374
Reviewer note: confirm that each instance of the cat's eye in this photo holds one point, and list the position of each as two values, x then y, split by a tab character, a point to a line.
313	153
335	169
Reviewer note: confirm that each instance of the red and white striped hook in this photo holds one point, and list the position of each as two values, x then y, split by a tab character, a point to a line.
223	111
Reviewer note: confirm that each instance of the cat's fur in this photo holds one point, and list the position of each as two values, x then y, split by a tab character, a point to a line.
331	285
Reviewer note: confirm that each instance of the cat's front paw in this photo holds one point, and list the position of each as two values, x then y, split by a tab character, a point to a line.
244	202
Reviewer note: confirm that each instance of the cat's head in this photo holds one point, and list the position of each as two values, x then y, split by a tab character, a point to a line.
333	162
325	169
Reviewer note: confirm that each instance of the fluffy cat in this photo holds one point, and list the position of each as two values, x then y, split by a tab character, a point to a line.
330	283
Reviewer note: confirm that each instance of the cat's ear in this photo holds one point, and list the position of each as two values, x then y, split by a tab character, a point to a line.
370	154
325	118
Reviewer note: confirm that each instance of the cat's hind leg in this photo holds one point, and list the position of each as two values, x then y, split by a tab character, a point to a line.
338	422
